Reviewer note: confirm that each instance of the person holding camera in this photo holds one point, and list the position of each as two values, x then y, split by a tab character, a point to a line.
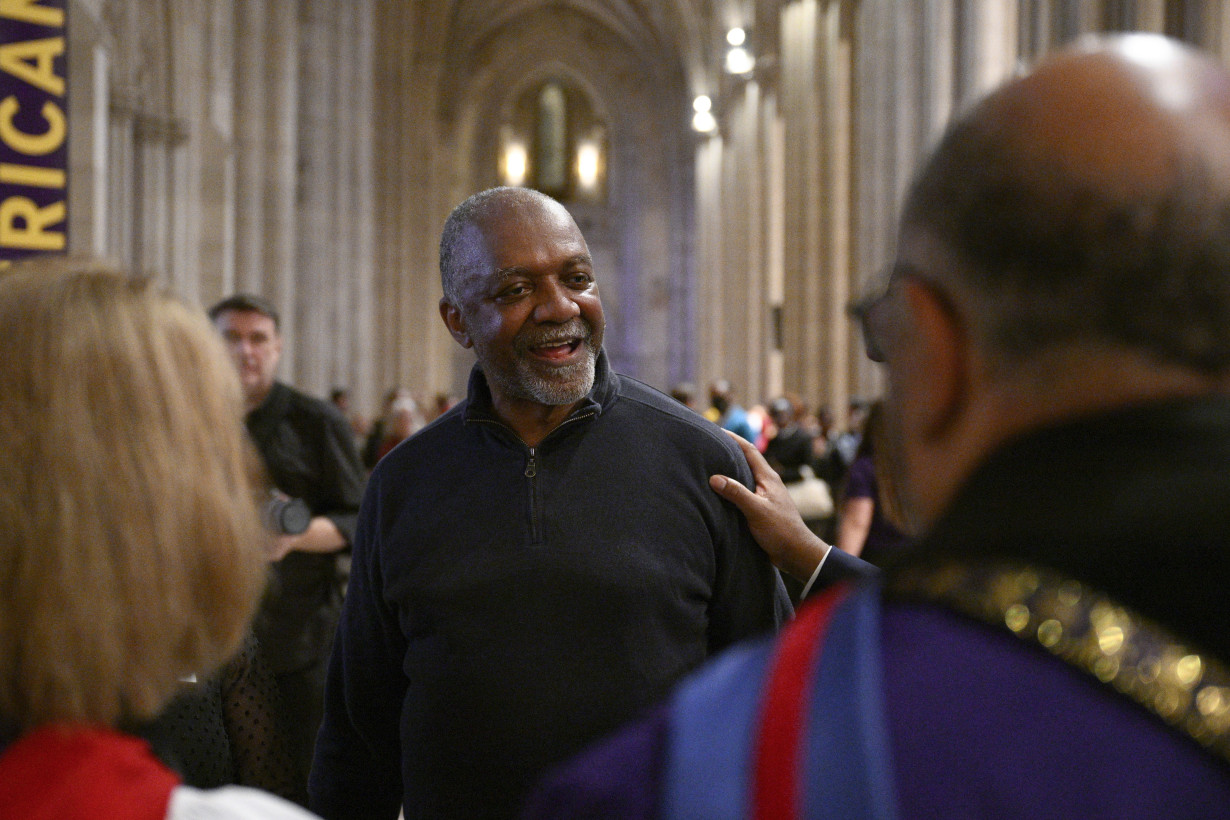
309	453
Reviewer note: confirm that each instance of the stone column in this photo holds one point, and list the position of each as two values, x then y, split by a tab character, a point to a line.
356	318
836	50
410	196
217	146
88	103
945	80
187	159
1219	39
319	215
249	124
278	192
1078	17
803	331
1150	16
710	260
774	229
741	284
883	125
988	45
120	209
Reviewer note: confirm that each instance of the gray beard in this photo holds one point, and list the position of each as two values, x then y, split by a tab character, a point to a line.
567	385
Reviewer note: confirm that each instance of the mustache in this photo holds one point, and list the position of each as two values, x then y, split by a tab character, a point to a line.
575	329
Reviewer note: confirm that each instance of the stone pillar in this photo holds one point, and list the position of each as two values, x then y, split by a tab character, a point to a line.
319	216
249	123
774	228
1078	17
742	284
186	158
817	91
278	191
946	79
217	146
881	121
88	116
836	47
414	191
710	261
357	317
1219	28
988	45
119	171
1150	16
804	334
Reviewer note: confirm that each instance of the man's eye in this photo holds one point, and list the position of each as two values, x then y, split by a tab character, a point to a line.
513	292
580	280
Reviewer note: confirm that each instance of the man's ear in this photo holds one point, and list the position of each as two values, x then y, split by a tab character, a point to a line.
456	325
941	358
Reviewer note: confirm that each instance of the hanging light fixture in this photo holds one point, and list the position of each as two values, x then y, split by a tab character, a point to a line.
589	165
702	118
739	59
516	163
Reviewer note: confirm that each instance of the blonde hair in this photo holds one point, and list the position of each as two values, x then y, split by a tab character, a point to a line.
131	551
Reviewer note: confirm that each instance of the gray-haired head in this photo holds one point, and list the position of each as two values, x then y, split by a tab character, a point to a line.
475	212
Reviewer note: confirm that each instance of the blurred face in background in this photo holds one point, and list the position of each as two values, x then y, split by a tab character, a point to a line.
255	346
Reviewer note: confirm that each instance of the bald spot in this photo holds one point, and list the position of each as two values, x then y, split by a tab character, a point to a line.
1119	120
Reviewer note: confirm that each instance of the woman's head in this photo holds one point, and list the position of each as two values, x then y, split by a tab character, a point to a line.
131	551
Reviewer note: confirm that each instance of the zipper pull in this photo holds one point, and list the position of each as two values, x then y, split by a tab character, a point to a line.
531	469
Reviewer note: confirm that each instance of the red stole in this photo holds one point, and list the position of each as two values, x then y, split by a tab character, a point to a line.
70	772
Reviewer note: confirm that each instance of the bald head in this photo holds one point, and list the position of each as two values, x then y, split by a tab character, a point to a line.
1090	202
1064	251
1120	115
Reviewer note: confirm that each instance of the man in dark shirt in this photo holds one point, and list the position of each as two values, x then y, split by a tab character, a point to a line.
539	564
309	453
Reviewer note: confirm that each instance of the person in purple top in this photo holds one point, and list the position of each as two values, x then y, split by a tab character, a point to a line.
1056	331
870	522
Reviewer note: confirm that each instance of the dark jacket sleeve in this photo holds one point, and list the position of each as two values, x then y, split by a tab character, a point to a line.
841	566
356	771
340	490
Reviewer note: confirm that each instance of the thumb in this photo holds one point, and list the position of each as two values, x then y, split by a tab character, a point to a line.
728	488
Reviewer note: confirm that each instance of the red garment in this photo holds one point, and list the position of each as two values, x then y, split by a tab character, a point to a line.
71	772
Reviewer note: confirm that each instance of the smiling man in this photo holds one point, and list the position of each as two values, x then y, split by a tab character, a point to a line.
541	563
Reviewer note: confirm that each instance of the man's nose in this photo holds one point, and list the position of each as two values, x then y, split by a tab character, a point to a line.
556	303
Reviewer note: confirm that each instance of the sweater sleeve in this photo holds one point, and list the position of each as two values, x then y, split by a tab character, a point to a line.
356	772
749	597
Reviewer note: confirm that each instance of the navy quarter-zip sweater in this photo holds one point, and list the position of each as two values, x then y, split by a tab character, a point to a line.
508	605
